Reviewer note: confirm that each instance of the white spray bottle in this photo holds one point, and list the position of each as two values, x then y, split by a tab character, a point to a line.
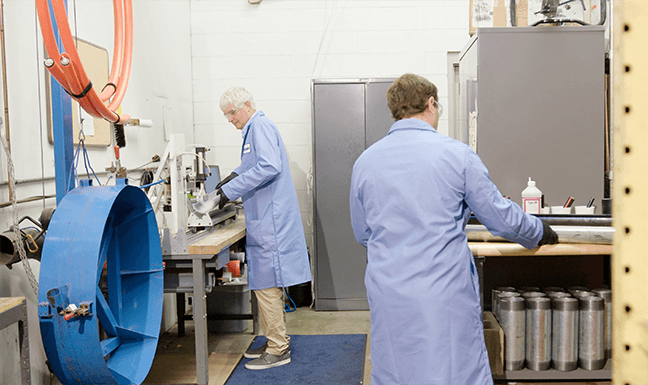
531	198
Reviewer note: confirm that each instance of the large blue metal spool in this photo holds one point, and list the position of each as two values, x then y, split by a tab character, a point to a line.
116	341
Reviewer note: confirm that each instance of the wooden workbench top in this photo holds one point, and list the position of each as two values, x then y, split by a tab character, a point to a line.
7	303
11	310
503	249
220	238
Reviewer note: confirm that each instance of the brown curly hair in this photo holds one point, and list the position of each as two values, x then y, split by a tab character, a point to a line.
409	95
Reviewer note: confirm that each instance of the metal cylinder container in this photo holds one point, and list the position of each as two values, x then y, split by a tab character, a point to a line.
580	294
494	298
533	294
591	349
606	294
558	294
564	337
538	333
554	289
528	289
572	289
513	323
501	295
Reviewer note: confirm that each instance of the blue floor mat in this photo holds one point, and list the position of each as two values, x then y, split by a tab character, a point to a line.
315	359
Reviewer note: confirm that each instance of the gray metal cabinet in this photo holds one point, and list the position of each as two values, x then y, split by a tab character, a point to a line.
348	116
533	104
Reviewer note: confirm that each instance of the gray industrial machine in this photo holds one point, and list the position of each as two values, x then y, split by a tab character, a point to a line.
532	104
348	117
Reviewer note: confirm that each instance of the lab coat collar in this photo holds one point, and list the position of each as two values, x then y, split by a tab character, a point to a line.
411	124
246	128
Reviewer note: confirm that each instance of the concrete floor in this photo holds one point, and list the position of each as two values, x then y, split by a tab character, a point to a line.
175	360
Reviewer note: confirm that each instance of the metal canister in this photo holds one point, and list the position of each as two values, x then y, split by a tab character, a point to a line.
606	294
528	288
494	294
564	337
591	349
501	295
532	294
538	333
513	323
558	294
580	294
572	289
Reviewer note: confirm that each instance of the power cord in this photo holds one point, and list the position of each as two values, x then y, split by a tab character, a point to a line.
287	307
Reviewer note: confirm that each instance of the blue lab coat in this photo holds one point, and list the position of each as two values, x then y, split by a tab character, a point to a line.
411	196
275	244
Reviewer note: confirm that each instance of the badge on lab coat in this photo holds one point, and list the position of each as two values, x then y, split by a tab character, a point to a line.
246	149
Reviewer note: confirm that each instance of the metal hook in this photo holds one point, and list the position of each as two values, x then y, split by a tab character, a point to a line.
34	243
81	119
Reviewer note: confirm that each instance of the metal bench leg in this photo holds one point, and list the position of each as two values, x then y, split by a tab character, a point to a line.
180	305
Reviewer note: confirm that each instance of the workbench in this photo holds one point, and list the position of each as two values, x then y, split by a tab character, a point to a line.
503	249
14	310
497	250
207	252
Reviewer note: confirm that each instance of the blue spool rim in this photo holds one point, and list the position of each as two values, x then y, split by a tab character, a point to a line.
116	341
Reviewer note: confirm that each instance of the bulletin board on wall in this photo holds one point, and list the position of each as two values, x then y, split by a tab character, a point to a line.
96	65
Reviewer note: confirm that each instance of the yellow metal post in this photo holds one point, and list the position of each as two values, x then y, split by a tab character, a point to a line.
630	194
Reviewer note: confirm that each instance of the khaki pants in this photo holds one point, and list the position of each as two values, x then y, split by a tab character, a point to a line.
273	321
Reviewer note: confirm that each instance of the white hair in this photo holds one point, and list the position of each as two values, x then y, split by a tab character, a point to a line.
236	96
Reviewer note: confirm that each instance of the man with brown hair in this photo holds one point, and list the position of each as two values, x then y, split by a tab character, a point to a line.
411	196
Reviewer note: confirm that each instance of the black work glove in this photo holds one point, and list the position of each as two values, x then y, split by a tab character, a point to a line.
229	178
223	199
549	237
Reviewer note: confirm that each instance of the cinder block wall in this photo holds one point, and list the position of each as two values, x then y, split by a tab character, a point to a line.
275	48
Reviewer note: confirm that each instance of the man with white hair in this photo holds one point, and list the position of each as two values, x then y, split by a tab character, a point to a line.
275	244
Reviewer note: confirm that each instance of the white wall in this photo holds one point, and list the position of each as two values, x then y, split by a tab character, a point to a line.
160	89
275	48
187	52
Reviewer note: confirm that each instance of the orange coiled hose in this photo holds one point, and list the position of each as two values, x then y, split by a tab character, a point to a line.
68	70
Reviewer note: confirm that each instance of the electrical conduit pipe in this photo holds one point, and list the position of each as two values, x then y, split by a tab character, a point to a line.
68	70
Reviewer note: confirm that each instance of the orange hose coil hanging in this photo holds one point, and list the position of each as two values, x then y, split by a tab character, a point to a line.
68	70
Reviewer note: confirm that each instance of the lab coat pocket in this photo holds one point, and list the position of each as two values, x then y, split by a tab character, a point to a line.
254	233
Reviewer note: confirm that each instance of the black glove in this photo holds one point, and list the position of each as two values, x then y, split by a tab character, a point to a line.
229	178
549	237
223	199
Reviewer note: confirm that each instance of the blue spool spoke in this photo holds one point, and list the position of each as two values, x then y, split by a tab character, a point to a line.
114	279
109	345
105	243
132	335
133	216
105	315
